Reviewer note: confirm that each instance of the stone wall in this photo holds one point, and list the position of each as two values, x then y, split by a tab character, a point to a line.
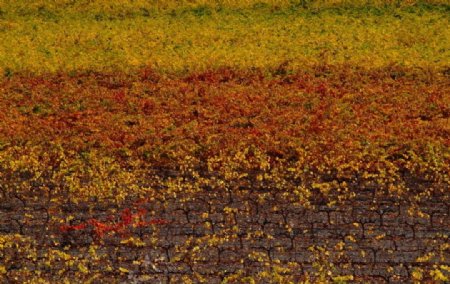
214	235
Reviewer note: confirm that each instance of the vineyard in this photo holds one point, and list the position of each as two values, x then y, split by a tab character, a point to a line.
224	141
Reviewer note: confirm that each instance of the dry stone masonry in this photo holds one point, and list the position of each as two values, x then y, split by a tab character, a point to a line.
218	236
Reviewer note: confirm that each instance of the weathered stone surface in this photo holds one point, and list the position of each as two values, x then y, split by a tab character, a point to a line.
212	236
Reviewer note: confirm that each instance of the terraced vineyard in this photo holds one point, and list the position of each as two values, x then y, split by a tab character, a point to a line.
224	142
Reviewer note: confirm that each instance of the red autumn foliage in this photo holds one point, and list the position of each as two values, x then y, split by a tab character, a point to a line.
127	220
